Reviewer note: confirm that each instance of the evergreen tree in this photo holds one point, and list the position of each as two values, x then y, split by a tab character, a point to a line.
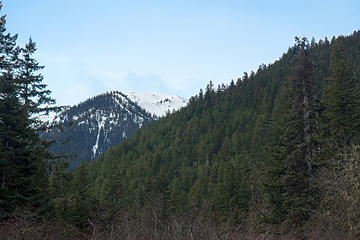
23	155
59	185
80	198
12	126
297	138
273	169
33	92
12	144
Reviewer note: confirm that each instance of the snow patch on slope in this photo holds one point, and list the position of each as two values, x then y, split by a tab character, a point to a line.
158	104
101	125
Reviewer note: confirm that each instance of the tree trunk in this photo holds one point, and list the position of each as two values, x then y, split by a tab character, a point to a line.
307	129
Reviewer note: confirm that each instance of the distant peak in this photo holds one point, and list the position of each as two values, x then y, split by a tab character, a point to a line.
157	103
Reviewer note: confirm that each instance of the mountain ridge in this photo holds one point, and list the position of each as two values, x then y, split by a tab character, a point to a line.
105	120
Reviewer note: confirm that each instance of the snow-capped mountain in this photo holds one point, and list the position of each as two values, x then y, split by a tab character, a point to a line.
158	104
93	126
96	124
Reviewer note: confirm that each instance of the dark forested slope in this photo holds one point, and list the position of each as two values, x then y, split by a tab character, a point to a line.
210	152
258	150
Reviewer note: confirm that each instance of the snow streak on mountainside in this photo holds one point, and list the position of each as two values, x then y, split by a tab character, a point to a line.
97	124
158	104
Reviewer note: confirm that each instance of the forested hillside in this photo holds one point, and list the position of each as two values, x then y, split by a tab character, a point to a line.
277	149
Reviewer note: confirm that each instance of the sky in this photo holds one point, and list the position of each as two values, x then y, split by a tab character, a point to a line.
171	47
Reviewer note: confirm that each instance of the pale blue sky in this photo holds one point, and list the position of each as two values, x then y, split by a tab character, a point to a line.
175	47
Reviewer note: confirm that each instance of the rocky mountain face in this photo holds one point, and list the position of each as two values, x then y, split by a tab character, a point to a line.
93	126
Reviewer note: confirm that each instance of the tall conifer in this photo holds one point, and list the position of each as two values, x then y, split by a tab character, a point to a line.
298	137
12	124
23	155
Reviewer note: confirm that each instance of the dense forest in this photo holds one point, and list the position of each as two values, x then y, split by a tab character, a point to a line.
272	155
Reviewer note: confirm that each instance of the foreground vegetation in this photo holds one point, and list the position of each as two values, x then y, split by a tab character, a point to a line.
148	225
274	155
